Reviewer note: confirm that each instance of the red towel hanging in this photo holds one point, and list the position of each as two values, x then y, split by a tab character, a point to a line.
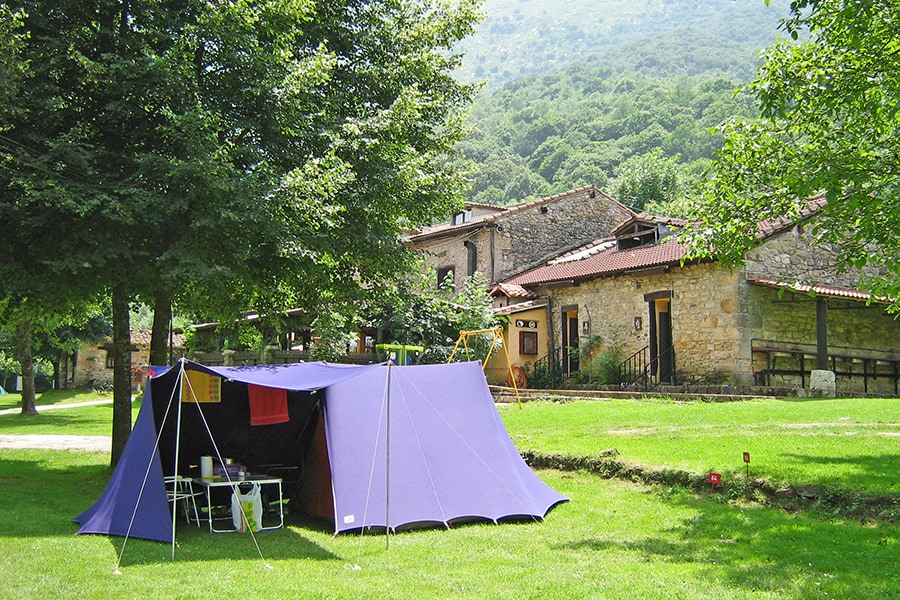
268	406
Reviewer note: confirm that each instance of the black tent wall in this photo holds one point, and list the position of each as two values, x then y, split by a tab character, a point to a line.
285	444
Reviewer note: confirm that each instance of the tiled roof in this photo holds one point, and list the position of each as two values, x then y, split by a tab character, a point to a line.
828	291
142	337
607	261
549	199
670	222
769	227
520	307
511	291
483	205
602	258
583	252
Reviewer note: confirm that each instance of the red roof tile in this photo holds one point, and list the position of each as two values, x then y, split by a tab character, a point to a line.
520	307
769	227
828	291
511	291
609	261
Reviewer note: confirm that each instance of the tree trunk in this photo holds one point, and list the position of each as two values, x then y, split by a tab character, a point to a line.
62	377
121	425
159	337
26	360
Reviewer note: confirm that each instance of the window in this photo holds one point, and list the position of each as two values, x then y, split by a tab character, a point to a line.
528	342
444	274
639	234
462	217
471	258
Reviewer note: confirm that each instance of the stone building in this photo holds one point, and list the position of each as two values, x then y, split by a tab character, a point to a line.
498	241
92	365
787	312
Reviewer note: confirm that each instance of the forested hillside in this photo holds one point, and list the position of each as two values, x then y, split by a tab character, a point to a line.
631	107
520	38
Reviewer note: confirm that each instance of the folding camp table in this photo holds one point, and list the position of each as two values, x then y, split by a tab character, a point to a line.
208	485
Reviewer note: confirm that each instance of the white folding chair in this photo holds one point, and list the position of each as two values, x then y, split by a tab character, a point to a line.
180	490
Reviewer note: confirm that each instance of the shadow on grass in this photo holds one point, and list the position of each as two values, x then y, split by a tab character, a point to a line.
44	493
86	420
879	472
49	492
53	398
761	549
199	544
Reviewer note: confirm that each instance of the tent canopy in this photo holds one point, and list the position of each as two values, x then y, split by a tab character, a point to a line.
374	446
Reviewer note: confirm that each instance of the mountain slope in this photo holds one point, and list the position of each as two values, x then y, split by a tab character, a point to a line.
520	38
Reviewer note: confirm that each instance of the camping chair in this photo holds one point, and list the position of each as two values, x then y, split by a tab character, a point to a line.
290	481
180	490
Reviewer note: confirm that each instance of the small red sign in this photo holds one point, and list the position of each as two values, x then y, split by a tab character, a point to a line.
747	457
714	478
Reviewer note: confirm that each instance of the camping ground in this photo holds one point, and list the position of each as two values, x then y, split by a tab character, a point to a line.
614	539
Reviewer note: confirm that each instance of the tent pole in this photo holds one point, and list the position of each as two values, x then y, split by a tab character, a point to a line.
387	471
181	376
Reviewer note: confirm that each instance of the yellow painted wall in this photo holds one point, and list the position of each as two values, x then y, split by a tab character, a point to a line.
497	369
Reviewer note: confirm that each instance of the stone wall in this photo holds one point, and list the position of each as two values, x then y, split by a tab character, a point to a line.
854	329
91	369
535	234
793	256
717	314
855	332
526	234
705	309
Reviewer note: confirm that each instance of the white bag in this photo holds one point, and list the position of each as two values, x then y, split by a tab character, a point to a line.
246	507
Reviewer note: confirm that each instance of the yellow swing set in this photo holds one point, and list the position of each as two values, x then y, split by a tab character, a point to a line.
497	335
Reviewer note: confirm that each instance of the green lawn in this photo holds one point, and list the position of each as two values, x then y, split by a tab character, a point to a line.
614	539
851	443
84	420
54	397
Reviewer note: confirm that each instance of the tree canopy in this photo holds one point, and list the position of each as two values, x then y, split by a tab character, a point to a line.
581	126
829	118
260	154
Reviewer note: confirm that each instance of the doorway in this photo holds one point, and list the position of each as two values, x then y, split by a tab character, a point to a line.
570	361
662	351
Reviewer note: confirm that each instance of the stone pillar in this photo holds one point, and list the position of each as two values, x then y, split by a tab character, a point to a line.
269	354
228	357
822	383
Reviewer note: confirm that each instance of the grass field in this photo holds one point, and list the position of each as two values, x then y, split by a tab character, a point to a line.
614	539
845	442
54	398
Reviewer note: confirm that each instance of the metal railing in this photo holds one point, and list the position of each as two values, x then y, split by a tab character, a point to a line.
643	372
547	372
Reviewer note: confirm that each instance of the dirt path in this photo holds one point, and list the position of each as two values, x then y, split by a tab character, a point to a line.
17	410
81	443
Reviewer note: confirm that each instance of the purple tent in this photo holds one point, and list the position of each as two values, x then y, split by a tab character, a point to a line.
373	445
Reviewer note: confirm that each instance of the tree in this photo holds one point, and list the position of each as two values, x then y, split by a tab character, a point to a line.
828	123
251	155
646	178
415	312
